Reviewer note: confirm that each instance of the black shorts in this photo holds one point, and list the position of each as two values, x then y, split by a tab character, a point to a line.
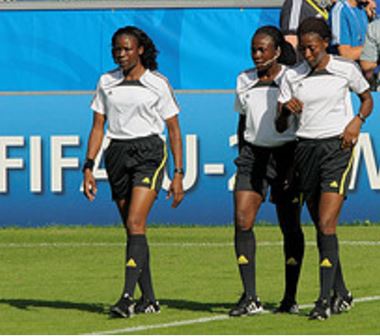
323	166
135	162
261	167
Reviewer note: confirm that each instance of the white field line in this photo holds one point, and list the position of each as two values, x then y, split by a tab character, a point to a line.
174	244
202	320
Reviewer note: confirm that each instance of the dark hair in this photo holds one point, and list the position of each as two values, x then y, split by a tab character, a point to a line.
149	56
314	25
288	55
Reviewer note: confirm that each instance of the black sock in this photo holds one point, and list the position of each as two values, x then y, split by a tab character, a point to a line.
136	251
245	248
328	261
294	247
145	280
339	285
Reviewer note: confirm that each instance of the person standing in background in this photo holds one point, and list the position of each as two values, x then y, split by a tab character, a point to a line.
293	12
370	56
136	102
348	21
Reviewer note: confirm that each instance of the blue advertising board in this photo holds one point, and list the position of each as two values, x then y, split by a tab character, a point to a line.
50	62
43	143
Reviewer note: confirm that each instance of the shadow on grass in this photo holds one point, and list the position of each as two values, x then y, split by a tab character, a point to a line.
26	304
196	306
220	308
99	308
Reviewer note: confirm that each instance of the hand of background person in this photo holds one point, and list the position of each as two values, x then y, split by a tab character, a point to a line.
294	105
89	185
351	133
176	190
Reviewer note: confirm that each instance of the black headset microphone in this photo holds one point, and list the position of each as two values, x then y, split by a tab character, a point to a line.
270	61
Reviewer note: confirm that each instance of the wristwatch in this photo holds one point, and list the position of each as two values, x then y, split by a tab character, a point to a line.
179	171
361	117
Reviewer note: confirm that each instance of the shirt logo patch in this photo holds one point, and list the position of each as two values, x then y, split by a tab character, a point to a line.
242	260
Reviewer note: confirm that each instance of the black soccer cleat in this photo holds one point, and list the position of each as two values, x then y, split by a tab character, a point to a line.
321	310
287	306
123	308
144	306
247	305
340	304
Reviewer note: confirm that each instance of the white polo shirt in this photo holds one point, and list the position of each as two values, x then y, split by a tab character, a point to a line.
325	94
134	110
258	102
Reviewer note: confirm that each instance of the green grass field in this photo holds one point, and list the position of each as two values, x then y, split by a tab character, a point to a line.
62	281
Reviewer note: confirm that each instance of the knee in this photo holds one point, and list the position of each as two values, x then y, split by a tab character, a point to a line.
135	225
243	222
327	225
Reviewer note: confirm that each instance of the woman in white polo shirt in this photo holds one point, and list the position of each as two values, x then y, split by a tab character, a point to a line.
317	92
136	102
265	159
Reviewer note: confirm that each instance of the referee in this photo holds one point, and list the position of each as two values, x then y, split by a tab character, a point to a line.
265	159
318	92
136	102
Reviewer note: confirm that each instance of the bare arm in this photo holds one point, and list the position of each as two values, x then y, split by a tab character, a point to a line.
349	52
281	121
240	131
176	187
351	132
294	105
94	143
368	68
293	40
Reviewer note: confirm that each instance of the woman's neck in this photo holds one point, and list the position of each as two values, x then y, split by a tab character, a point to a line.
135	73
323	62
270	73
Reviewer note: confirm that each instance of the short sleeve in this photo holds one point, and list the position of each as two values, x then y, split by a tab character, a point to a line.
238	106
97	103
340	27
285	91
357	82
371	49
167	106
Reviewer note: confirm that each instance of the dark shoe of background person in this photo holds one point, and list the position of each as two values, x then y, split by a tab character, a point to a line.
286	306
340	304
144	306
123	308
321	310
247	305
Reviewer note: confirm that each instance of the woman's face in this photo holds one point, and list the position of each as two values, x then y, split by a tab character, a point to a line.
263	52
126	51
313	48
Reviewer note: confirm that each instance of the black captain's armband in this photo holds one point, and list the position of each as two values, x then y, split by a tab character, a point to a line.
88	164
